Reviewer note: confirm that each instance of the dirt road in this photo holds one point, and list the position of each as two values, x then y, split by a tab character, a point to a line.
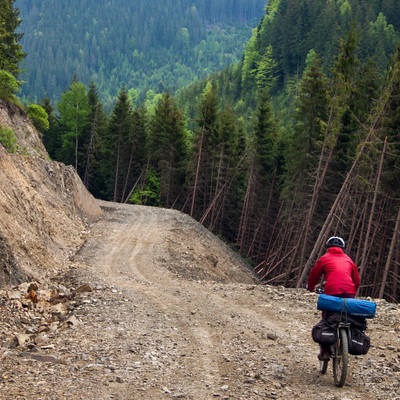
174	314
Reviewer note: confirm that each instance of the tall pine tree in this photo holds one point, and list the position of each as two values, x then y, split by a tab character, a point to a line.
166	149
11	53
119	136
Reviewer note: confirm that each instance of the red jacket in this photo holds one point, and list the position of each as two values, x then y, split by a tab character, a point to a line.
340	273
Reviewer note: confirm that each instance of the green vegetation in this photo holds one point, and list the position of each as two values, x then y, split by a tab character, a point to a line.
8	86
8	139
11	53
38	115
141	44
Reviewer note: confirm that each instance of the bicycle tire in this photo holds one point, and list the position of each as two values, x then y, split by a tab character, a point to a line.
323	366
341	358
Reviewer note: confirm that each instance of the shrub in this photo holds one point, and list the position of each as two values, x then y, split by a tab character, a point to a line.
8	86
38	116
8	139
149	195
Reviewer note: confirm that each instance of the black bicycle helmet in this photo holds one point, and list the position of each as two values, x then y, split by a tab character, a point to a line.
335	241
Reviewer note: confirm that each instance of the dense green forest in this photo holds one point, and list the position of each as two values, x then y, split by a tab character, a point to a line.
296	142
143	45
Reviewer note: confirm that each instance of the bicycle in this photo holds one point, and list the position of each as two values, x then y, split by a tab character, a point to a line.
349	328
339	352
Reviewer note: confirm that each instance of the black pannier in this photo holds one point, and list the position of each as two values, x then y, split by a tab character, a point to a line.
359	342
324	333
358	322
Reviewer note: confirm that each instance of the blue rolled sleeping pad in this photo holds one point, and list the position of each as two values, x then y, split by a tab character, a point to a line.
354	307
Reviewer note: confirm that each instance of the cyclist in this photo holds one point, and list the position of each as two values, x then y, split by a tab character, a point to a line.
340	274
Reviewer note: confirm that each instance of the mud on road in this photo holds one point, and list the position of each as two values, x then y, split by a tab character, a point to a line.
173	313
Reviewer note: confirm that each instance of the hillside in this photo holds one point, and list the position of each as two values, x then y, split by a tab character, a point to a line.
43	206
142	45
134	302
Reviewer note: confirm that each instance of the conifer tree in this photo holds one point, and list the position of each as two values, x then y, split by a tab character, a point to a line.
11	53
52	136
93	141
229	161
303	148
74	110
202	168
260	202
119	136
136	172
166	149
310	118
266	70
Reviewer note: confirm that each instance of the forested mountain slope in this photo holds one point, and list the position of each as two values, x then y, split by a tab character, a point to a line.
276	55
318	89
142	44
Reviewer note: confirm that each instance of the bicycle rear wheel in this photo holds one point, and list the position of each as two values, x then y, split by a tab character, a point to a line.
341	358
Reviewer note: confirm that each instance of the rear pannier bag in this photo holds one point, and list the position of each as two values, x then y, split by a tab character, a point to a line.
355	307
323	333
357	322
359	342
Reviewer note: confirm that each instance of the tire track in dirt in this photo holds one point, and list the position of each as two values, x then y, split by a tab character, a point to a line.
127	260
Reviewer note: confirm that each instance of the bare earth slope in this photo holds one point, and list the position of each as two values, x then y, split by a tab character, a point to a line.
44	207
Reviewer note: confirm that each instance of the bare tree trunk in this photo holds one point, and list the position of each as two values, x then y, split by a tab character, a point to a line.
393	244
395	273
359	204
265	212
361	228
371	214
217	191
244	217
329	219
128	172
222	191
384	101
89	155
117	168
134	187
197	174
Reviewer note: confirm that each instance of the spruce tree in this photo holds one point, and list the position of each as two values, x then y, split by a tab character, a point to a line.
260	202
310	117
11	53
166	149
52	136
119	151
223	213
202	168
93	142
74	110
138	162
